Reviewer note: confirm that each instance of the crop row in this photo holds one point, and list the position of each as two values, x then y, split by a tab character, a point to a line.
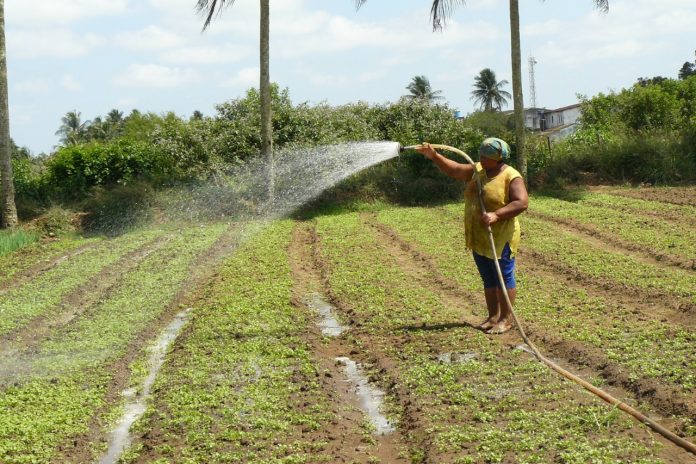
661	237
588	256
38	254
472	398
570	312
241	384
62	382
45	291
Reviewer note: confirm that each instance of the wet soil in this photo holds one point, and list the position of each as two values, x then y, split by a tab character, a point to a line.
345	442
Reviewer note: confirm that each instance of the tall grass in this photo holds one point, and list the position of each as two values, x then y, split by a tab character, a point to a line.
12	240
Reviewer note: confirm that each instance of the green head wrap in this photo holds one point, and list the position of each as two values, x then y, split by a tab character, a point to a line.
494	148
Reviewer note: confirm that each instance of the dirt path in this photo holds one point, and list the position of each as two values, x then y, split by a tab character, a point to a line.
578	358
346	443
645	253
201	273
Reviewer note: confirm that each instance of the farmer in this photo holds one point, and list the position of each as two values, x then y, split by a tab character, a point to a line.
505	197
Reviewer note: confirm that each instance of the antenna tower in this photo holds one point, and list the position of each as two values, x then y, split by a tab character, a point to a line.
532	83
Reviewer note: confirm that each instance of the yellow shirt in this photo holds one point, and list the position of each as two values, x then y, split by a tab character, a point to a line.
496	194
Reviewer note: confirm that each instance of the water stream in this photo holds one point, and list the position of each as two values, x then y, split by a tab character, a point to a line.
328	323
371	398
136	402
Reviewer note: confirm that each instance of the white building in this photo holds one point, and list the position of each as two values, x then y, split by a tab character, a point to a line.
544	120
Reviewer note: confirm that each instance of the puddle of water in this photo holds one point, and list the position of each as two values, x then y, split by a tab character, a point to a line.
328	324
524	347
137	403
371	398
454	357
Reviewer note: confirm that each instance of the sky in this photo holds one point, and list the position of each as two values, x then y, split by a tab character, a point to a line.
95	55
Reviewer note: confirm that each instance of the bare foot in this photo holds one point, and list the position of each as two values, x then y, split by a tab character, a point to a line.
500	328
487	324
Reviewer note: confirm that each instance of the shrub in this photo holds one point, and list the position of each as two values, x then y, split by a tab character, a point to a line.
73	171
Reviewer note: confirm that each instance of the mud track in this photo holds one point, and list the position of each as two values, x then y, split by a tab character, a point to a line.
368	352
579	358
201	273
345	443
643	251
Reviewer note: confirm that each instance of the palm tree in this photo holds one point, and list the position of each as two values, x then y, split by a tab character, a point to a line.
442	9
421	89
9	209
210	8
72	129
488	92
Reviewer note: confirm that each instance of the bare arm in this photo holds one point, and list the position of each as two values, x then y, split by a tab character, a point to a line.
519	201
451	168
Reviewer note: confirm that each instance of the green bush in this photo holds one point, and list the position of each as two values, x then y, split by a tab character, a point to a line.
646	133
73	171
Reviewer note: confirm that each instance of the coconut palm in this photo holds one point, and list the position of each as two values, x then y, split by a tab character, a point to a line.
421	89
209	8
488	92
442	9
72	130
9	210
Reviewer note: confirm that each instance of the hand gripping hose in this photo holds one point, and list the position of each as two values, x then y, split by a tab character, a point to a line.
687	445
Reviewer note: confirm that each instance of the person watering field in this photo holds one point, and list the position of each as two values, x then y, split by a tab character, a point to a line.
504	197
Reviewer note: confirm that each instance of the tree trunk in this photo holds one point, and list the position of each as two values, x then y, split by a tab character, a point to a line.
265	90
9	211
517	86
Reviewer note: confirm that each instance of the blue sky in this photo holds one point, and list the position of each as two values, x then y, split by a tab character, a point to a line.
95	55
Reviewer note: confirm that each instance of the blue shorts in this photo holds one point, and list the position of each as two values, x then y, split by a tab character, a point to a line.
489	275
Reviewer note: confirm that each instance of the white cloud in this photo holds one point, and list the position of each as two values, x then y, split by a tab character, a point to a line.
34	85
210	54
152	38
33	12
155	76
245	78
629	30
58	43
68	82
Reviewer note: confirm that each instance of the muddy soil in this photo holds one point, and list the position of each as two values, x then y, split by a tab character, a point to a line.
346	444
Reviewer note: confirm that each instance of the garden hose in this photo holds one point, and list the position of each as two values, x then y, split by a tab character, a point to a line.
687	445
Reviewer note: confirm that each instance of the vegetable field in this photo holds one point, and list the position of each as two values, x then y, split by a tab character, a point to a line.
607	288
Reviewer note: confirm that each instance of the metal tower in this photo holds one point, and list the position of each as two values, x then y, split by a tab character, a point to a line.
532	83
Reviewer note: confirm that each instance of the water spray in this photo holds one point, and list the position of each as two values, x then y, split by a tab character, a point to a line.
535	351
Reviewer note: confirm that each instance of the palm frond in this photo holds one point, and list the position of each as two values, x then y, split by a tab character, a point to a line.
209	8
441	10
359	3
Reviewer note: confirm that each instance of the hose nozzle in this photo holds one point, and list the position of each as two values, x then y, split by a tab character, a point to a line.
410	147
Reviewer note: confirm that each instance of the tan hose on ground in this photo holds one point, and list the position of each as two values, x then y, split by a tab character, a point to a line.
687	445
